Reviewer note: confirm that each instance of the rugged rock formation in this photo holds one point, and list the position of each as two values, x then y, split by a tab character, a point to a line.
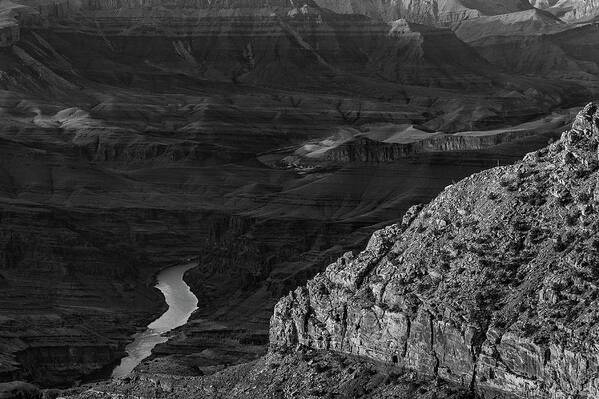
575	10
436	12
250	43
535	42
493	285
367	147
542	4
569	10
566	54
523	23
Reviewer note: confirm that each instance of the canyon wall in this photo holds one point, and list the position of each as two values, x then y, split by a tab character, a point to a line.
367	150
128	144
303	49
576	10
492	285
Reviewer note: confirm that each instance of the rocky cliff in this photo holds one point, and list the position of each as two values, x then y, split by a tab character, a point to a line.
365	149
274	44
516	24
436	12
567	51
542	4
493	285
575	10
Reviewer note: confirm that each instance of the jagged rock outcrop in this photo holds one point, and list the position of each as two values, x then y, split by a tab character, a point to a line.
575	10
523	23
492	285
568	51
542	4
537	42
364	149
436	12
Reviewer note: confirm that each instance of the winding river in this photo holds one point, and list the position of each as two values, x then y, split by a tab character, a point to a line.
181	304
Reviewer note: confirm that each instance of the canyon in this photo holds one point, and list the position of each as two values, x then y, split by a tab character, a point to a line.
262	140
432	294
491	288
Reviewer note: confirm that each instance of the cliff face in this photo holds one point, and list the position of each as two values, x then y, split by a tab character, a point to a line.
367	150
279	45
492	285
436	12
565	52
576	10
543	3
524	23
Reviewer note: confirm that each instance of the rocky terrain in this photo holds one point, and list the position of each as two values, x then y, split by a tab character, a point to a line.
306	374
436	12
489	290
555	48
524	23
264	139
575	10
492	285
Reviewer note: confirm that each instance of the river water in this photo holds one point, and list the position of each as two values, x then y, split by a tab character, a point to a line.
181	304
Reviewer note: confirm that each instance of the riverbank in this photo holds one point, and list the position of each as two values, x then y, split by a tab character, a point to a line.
181	304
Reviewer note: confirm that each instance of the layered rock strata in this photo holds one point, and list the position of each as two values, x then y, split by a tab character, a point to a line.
492	285
562	54
575	10
524	23
436	12
119	157
365	149
302	47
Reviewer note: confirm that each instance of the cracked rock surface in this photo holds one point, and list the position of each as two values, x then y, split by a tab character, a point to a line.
493	285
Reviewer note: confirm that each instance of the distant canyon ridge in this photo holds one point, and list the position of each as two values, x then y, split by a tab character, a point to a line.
433	12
